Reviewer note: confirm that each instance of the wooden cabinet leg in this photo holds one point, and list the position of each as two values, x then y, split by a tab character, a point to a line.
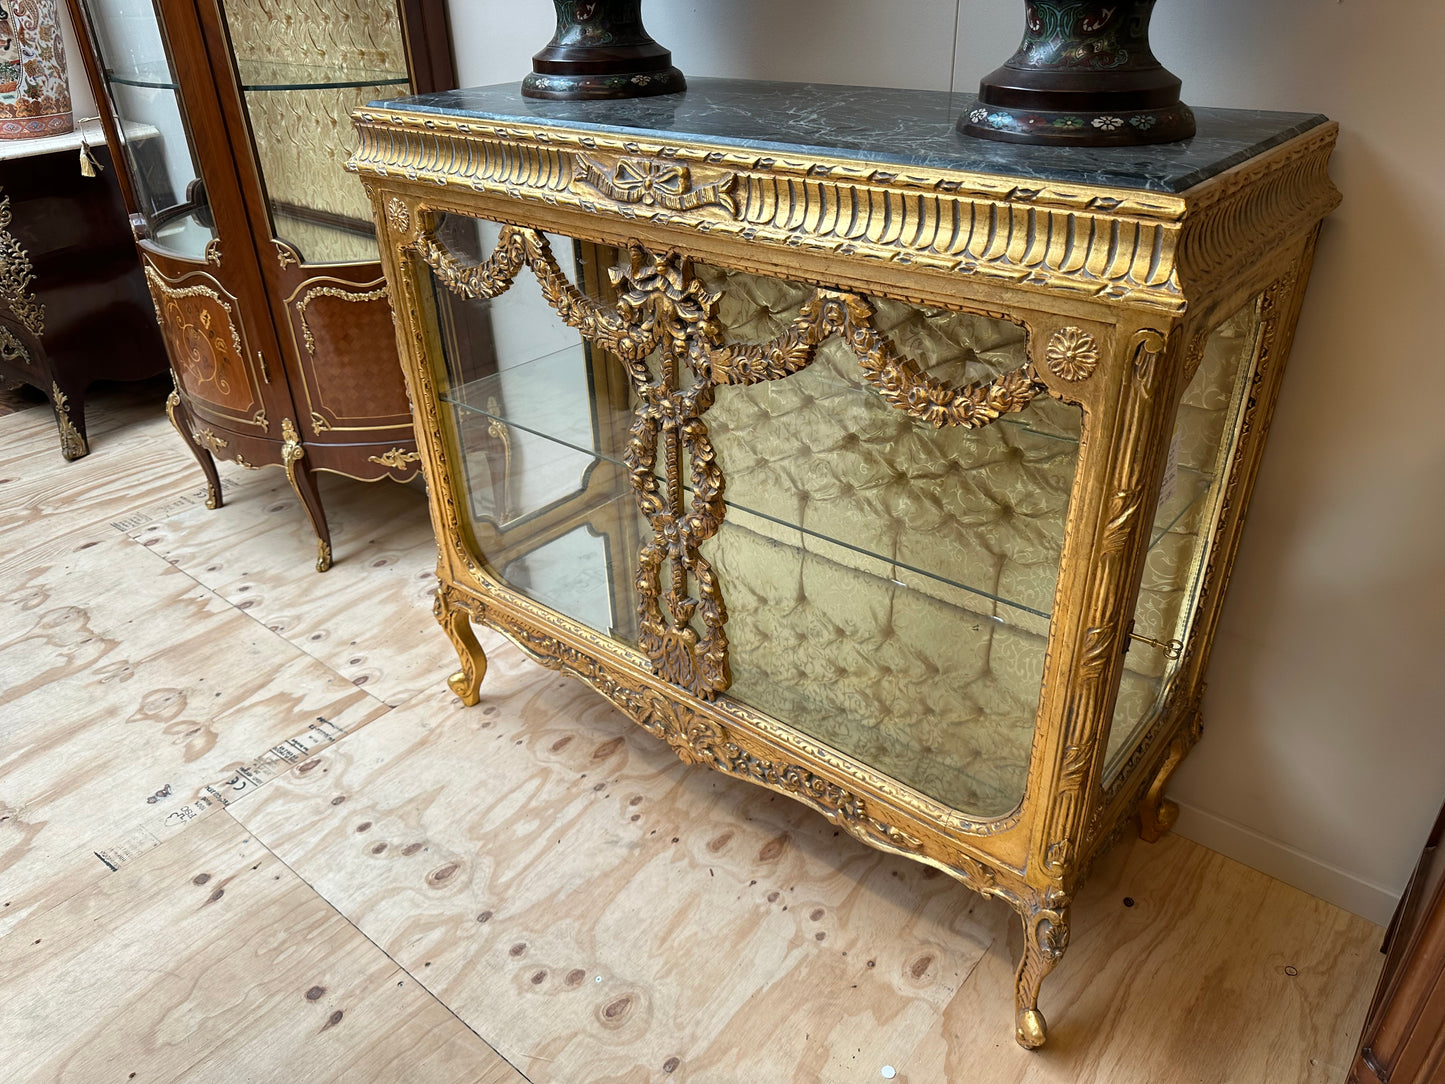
456	623
176	411
303	481
1046	935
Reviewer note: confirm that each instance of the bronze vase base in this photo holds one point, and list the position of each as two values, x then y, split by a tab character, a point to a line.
1079	127
600	51
1084	76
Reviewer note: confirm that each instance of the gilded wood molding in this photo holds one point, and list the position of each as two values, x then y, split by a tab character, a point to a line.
1114	244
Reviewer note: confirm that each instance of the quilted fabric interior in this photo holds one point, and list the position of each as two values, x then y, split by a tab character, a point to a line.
888	585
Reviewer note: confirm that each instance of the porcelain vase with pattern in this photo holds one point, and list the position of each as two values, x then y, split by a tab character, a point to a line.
34	94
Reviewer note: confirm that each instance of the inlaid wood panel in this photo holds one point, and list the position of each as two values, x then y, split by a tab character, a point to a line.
206	339
208	959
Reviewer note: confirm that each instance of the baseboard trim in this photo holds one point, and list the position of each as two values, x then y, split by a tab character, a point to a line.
1294	867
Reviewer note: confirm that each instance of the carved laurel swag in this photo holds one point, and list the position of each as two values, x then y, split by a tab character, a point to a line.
663	308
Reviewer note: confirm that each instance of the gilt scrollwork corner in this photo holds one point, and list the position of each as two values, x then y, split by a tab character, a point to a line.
208	438
213	252
657	184
395	458
307	335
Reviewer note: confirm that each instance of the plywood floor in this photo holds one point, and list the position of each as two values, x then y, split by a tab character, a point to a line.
400	888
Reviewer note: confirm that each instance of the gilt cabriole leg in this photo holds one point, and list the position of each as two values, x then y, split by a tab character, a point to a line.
176	412
1156	813
303	481
456	623
1046	935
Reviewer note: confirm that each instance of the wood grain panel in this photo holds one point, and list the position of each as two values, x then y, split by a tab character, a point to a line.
148	685
514	854
209	959
371	622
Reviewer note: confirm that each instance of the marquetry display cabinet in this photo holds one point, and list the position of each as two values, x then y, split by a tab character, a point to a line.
896	471
231	120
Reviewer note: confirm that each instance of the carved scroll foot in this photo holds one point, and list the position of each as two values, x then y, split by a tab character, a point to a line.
1046	935
176	412
303	481
1156	813
456	623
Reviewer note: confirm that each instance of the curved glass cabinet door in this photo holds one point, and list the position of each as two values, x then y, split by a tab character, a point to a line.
152	124
302	69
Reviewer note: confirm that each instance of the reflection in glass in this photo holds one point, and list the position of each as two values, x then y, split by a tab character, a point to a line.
1205	435
153	127
303	69
889	586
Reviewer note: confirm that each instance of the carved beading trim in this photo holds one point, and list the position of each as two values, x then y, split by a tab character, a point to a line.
1078	240
1120	244
329	291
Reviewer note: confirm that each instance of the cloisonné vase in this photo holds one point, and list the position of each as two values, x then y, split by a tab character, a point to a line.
601	50
1084	75
34	95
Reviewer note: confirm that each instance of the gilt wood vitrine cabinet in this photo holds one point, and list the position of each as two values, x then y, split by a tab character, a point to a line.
898	472
230	120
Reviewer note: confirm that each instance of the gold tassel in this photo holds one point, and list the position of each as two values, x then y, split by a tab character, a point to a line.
89	167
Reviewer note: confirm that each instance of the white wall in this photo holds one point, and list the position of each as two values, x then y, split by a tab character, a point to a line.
1323	760
82	102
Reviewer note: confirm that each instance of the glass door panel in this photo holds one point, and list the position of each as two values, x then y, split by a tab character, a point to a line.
1200	454
304	65
154	131
888	585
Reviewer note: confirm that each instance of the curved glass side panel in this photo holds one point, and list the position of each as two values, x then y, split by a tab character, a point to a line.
1205	437
153	127
303	68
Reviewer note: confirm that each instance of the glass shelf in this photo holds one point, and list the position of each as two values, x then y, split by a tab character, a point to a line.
269	75
960	734
523	398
